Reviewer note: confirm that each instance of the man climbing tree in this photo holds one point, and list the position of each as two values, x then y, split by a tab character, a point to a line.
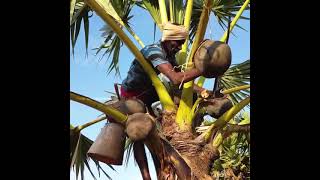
162	58
181	143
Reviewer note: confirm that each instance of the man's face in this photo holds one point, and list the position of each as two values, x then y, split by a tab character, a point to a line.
175	46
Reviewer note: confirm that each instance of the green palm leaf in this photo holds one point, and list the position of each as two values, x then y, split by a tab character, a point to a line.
79	11
176	12
237	75
129	149
152	6
72	5
222	10
113	43
234	154
79	146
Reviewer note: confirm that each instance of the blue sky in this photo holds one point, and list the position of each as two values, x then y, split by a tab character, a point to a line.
88	75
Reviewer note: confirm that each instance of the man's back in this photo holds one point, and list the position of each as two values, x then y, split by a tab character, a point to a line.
137	78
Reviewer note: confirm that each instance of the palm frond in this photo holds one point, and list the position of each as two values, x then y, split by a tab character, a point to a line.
245	119
152	7
72	6
119	10
79	146
129	149
79	12
177	14
222	10
112	44
234	154
237	75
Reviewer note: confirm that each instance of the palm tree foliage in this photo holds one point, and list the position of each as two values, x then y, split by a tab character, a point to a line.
222	10
237	75
79	146
235	148
79	12
234	155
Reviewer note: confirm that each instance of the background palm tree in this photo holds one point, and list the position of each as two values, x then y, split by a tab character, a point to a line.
119	11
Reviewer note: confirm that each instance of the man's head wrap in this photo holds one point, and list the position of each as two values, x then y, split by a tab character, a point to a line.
173	32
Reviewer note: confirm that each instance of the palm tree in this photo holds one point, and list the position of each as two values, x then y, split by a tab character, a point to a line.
178	150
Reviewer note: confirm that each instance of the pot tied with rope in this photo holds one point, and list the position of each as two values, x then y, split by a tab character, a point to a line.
212	58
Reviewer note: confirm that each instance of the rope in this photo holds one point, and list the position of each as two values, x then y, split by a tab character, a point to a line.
183	67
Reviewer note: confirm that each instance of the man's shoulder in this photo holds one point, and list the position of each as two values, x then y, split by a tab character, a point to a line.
156	47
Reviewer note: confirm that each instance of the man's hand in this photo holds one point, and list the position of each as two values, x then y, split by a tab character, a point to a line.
211	94
177	77
206	94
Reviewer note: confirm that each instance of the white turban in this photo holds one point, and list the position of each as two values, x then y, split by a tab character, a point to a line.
173	32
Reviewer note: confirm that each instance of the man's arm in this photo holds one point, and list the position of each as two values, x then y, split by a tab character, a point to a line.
156	57
198	89
204	93
177	77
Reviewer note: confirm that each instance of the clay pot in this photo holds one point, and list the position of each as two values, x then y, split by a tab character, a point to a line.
109	145
212	58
